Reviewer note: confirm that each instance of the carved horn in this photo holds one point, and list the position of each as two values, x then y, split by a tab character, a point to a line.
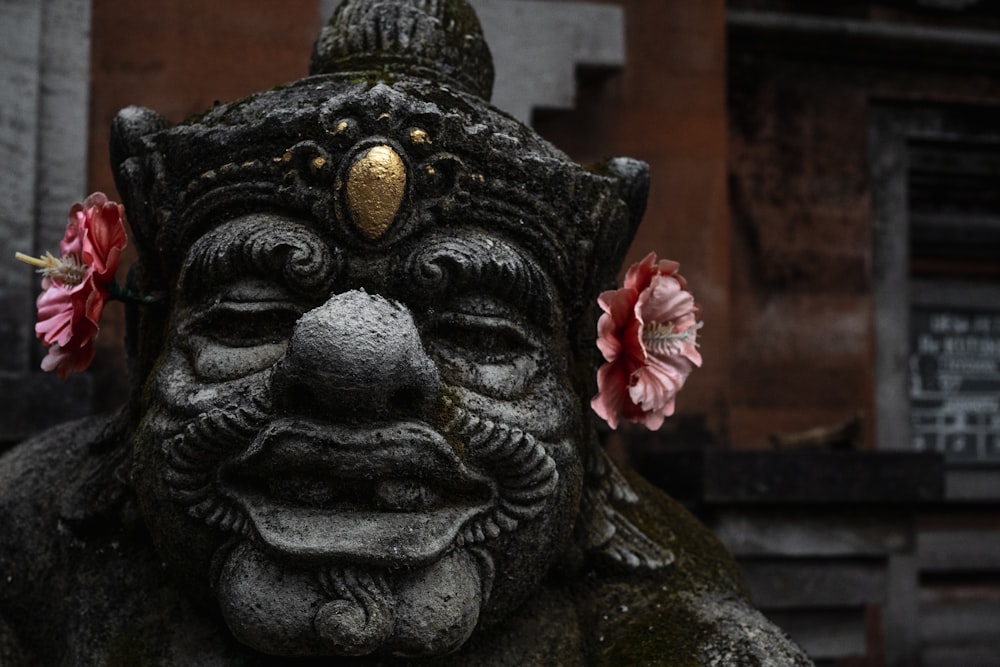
634	178
129	129
615	234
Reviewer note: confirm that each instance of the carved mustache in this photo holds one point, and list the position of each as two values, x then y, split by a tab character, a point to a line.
524	473
193	454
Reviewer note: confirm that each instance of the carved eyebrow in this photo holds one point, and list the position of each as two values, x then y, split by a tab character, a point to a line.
263	246
472	262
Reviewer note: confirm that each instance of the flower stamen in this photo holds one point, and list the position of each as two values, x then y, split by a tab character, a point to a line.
68	270
663	340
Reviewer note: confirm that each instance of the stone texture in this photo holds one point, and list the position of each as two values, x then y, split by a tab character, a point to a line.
176	58
101	565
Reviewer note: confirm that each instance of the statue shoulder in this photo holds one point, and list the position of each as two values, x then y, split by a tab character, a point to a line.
50	486
35	475
686	630
66	477
693	611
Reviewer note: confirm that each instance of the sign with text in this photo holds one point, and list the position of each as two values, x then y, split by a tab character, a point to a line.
955	382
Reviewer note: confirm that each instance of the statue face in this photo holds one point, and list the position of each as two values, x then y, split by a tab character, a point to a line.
360	451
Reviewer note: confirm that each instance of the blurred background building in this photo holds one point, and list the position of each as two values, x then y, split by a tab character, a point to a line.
828	174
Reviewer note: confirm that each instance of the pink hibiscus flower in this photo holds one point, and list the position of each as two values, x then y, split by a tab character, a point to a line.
76	285
648	336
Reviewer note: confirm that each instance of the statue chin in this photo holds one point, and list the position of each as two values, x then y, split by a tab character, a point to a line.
350	610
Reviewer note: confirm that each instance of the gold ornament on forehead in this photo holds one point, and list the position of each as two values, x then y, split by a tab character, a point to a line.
376	184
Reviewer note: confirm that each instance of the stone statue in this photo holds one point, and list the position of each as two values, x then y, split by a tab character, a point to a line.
359	423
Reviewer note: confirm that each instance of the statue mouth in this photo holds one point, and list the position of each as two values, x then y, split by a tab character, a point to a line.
393	495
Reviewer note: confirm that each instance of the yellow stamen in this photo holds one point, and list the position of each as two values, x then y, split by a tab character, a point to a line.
47	262
68	270
662	339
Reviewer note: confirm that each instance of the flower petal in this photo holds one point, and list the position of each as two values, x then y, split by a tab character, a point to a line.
55	315
104	240
654	420
650	389
94	199
612	393
639	274
668	267
54	358
607	341
632	348
665	301
72	241
618	304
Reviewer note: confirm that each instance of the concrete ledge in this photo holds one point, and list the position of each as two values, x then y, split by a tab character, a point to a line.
884	41
716	476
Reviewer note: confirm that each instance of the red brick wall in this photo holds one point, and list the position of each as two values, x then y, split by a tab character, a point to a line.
803	343
802	288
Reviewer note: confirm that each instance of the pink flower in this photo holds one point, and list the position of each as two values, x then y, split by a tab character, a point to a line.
76	285
648	336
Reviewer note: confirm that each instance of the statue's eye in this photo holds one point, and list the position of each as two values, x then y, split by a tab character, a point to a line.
230	339
485	339
484	346
238	324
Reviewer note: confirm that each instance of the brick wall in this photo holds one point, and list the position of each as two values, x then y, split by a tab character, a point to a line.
804	340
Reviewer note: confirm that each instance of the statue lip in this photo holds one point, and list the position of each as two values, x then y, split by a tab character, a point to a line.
394	495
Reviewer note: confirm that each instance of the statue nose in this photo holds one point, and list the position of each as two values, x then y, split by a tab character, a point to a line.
358	357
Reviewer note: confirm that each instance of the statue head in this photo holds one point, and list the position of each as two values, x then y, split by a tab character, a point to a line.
362	410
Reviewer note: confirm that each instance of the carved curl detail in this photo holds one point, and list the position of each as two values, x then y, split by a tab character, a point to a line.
265	246
448	263
607	533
